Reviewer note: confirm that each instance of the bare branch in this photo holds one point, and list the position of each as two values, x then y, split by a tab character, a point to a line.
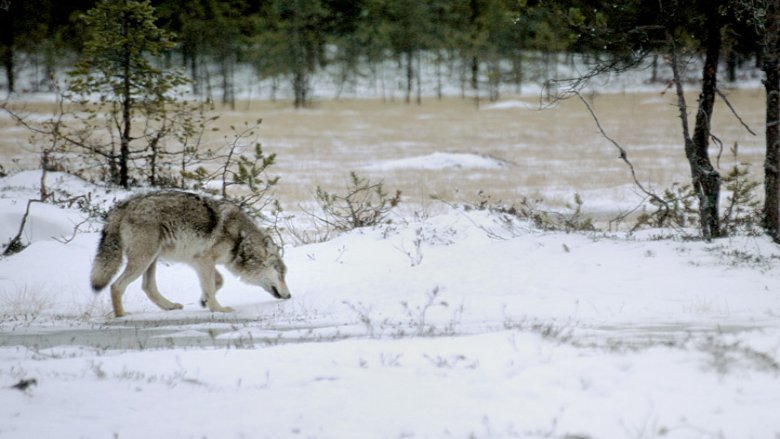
15	245
76	230
717	141
681	105
734	112
622	154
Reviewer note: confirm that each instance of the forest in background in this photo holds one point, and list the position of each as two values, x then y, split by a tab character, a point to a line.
480	44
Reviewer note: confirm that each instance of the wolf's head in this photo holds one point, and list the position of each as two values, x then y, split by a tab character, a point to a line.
257	261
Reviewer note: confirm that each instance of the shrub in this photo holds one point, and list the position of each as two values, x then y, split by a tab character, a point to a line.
742	211
364	204
240	172
676	209
572	219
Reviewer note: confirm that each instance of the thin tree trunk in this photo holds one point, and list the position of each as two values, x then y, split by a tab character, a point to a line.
300	85
409	75
475	32
419	77
706	180
731	65
772	85
124	142
227	65
192	58
8	62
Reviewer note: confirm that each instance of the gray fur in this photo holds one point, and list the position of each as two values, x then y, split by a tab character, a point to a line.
190	228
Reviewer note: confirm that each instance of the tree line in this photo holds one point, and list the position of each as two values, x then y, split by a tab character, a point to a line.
287	40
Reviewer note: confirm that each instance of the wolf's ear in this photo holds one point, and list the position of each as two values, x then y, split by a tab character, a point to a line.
243	248
269	244
249	247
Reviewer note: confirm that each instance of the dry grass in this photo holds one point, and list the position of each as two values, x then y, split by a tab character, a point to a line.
26	303
553	153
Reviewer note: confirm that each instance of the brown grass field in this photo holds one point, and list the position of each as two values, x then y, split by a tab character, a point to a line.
550	153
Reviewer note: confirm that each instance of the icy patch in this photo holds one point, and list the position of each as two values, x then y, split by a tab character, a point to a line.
441	160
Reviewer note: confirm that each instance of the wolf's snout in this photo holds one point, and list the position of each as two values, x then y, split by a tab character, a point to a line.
284	294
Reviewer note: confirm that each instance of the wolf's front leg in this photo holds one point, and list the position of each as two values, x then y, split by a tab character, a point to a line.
150	288
210	281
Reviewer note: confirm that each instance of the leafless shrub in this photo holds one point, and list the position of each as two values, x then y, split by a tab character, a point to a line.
364	204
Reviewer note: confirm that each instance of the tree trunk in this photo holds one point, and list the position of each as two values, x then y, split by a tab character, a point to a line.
191	60
731	66
419	77
8	63
409	76
475	33
654	74
475	73
301	56
300	85
706	180
227	66
124	145
772	85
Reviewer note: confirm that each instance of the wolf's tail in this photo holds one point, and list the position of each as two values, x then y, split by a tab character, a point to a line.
108	257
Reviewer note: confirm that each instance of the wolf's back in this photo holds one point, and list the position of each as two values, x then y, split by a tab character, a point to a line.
109	252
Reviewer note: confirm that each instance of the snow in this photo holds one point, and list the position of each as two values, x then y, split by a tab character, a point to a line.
440	160
512	104
460	324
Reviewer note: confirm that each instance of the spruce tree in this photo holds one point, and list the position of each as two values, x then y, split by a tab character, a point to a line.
116	66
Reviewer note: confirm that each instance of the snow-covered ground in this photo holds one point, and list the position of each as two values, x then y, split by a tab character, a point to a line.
440	160
461	324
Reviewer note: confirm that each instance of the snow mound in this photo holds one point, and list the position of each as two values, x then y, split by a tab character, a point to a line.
441	160
512	104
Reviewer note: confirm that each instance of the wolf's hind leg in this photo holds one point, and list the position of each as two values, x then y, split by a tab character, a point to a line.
137	263
210	281
218	280
150	288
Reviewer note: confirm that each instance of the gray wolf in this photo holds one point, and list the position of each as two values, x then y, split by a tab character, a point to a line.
189	228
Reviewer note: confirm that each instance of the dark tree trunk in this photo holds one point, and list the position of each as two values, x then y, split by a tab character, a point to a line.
191	62
302	57
654	74
772	85
124	145
8	63
706	180
409	76
227	66
475	73
475	29
7	39
731	66
300	86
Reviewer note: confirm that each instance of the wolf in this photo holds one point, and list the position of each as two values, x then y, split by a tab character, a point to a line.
190	228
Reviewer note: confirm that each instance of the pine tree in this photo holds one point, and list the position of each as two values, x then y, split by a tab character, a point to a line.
291	38
116	65
772	129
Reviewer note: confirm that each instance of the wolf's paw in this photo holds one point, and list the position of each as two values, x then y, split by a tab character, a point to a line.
221	309
170	306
